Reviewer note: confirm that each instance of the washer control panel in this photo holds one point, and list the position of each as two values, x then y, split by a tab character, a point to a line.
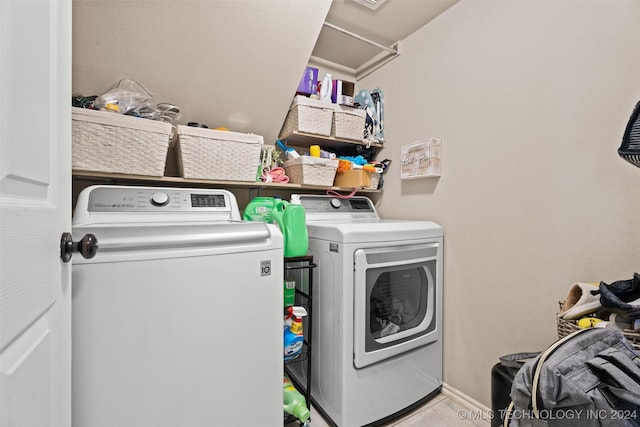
131	199
119	204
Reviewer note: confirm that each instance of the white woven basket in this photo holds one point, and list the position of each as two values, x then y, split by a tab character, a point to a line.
375	181
215	154
104	141
311	170
309	116
348	122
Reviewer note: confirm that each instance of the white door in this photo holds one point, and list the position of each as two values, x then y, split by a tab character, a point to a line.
35	209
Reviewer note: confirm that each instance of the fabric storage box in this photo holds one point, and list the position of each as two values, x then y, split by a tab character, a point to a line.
353	179
309	116
311	170
104	141
348	122
216	154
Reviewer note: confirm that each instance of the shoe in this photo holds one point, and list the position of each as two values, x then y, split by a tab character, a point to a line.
580	301
622	296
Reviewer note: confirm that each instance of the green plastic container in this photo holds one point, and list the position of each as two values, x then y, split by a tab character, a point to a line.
294	402
292	222
259	209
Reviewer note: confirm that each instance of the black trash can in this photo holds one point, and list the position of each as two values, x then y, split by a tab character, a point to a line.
502	375
501	380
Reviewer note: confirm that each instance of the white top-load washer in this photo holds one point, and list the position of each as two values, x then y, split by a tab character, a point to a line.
177	320
377	311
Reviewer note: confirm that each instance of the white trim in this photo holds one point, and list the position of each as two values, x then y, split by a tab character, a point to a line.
463	399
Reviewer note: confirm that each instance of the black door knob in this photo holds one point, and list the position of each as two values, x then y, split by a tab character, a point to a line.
87	246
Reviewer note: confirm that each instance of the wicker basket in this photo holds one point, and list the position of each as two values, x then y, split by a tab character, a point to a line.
215	154
104	141
375	181
567	327
309	116
348	122
311	170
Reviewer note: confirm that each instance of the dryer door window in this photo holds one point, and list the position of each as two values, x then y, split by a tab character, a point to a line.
397	302
394	301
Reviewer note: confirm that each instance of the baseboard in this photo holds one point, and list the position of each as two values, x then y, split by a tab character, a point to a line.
463	399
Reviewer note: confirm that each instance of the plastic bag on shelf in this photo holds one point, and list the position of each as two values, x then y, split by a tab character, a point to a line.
129	97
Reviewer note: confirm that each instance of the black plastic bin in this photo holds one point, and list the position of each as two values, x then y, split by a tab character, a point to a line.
502	375
501	380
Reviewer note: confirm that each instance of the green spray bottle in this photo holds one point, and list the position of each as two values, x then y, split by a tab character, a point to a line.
291	220
294	402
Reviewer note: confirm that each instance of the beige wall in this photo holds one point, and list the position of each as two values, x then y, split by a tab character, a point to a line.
531	99
226	63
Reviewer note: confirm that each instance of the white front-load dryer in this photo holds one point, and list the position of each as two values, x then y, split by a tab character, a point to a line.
177	320
377	312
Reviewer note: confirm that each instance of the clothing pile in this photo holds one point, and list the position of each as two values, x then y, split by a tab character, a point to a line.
615	305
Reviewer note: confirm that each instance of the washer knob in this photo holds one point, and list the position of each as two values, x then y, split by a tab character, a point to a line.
159	199
335	203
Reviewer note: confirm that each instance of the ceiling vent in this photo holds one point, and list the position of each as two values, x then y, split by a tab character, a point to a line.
371	4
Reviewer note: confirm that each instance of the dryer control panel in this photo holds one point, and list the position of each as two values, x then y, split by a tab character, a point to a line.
328	204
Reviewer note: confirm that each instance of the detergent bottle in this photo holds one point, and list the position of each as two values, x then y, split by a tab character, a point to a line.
326	88
294	402
259	209
291	220
293	336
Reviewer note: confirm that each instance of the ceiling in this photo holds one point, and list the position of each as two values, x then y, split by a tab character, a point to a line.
391	22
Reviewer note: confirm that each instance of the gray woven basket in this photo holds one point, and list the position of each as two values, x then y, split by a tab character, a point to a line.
105	141
218	155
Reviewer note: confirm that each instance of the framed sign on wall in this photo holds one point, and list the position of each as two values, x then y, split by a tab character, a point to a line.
421	159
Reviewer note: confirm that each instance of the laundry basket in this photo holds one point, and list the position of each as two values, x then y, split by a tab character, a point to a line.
630	148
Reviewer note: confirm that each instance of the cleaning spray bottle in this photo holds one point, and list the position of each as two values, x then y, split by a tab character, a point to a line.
293	336
294	402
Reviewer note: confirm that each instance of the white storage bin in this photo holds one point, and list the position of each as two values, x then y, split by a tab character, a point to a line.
311	170
218	155
104	141
309	116
348	122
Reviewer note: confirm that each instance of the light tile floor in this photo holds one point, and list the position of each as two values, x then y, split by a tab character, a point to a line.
441	411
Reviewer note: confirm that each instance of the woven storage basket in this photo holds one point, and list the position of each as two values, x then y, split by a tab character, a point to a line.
311	170
630	148
348	122
309	116
104	141
215	154
375	181
567	327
